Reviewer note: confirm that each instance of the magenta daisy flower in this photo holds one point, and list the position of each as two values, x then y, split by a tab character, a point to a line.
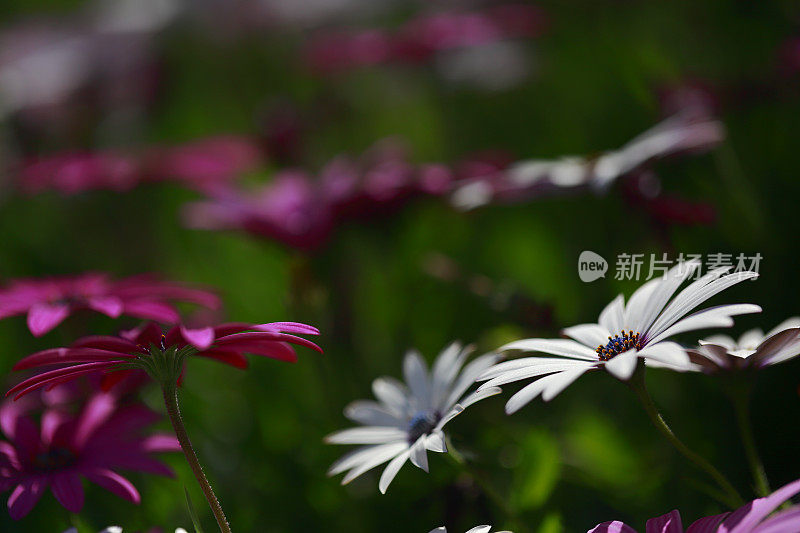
48	301
148	347
65	448
754	517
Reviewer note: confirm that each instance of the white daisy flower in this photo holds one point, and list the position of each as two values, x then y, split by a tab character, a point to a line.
407	419
476	529
754	349
624	333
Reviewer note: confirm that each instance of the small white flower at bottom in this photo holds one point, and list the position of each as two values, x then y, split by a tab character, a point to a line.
407	420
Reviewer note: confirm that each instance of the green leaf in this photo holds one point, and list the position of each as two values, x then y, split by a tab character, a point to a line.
192	513
538	470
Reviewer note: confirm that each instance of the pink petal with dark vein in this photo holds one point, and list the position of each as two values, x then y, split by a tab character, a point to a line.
745	518
160	442
288	327
268	348
44	317
25	496
67	488
53	422
45	378
105	342
668	523
108	305
70	355
115	483
260	336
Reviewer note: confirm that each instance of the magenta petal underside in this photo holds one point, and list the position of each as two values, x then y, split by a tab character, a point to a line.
115	483
612	527
108	305
201	339
67	488
25	496
668	523
44	317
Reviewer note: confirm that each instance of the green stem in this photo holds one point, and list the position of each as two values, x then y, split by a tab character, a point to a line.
741	407
171	402
637	383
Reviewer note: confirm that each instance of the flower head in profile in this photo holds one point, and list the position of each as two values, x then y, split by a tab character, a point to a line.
162	355
754	349
624	334
48	301
408	419
102	439
476	529
753	517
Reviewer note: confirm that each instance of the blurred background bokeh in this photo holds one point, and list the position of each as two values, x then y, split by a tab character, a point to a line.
351	164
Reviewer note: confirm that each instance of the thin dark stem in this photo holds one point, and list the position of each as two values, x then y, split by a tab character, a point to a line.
742	408
637	383
171	401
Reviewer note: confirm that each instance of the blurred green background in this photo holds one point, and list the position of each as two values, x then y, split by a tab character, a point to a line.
588	456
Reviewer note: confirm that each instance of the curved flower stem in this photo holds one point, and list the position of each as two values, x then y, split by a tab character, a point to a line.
637	383
741	402
171	402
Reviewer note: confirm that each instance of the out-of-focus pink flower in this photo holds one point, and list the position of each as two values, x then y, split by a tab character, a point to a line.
131	350
301	211
643	191
422	37
95	445
48	301
71	173
753	517
204	164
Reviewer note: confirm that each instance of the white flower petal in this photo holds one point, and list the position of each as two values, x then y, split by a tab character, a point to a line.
366	435
479	395
378	458
623	365
363	454
793	322
391	471
588	334
419	454
534	369
668	353
750	339
372	414
713	317
725	341
694	295
480	529
662	292
416	375
445	370
637	305
559	382
436	443
563	347
468	376
614	313
454	412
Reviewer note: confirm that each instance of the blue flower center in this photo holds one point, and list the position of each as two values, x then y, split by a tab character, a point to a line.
54	459
619	344
422	423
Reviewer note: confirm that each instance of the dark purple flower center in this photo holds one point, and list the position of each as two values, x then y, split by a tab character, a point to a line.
619	344
422	423
54	459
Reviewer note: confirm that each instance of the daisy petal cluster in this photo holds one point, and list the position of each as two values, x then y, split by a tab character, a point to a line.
149	348
624	334
754	349
47	302
754	517
95	444
408	419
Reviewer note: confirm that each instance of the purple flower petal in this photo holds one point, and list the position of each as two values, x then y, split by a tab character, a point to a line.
788	520
612	527
745	518
115	483
67	488
25	496
668	523
108	305
44	317
201	339
708	524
